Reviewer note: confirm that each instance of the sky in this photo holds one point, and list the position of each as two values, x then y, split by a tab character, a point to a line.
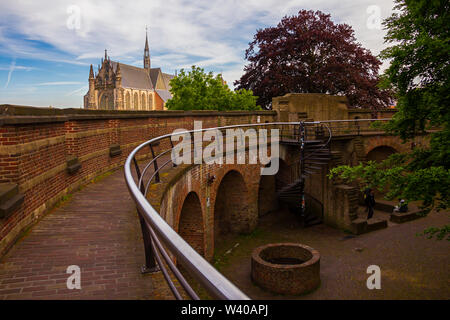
47	46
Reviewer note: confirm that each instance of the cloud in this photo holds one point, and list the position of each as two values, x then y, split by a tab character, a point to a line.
210	33
58	83
78	92
11	70
24	68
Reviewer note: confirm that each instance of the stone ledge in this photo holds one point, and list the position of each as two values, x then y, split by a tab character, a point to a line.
400	217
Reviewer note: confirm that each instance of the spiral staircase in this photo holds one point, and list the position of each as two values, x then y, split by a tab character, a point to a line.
315	154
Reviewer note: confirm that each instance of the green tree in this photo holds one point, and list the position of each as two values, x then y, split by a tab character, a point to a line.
419	74
197	90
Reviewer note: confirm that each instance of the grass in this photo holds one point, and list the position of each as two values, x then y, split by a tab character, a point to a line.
237	246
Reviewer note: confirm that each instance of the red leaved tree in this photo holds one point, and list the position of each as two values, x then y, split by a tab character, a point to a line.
308	53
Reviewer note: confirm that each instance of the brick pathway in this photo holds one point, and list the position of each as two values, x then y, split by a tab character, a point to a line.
98	230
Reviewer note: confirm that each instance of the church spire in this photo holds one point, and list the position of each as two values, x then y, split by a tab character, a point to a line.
91	73
146	52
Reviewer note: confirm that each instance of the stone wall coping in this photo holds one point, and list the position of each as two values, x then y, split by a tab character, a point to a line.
356	110
17	115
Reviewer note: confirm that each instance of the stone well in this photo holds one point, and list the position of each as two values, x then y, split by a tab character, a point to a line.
286	268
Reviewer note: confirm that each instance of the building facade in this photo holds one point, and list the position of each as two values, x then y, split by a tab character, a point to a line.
119	86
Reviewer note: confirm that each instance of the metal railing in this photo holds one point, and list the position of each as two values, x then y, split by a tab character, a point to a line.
159	237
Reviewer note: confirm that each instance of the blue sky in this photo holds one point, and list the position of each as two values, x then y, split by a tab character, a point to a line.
46	46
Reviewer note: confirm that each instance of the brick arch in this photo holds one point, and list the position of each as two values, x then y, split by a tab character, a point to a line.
380	153
384	141
231	207
190	222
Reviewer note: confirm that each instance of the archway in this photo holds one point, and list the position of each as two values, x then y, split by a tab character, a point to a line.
190	225
106	102
380	153
267	195
103	102
231	214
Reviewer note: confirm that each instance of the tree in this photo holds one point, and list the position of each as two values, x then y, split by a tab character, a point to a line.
197	90
308	53
419	74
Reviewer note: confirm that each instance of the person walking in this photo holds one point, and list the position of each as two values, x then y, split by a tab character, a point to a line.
369	199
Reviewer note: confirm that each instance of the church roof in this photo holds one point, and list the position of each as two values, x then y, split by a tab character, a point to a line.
164	94
134	77
154	72
167	77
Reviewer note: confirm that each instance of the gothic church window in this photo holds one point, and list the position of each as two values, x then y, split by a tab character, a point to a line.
136	101
150	102
143	102
128	101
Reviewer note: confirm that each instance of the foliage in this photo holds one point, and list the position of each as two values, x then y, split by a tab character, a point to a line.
197	90
419	74
440	233
394	177
308	53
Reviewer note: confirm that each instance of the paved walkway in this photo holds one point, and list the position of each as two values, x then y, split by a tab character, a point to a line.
98	230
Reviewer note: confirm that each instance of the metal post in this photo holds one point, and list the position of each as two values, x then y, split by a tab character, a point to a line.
150	265
155	164
171	144
302	169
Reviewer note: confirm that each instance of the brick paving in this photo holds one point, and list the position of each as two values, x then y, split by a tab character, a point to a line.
98	230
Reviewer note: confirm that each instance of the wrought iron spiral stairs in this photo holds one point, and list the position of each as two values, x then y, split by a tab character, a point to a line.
315	153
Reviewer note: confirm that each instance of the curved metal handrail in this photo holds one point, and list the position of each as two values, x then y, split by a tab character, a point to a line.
213	281
162	235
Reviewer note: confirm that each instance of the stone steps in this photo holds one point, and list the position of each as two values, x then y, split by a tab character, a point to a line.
361	226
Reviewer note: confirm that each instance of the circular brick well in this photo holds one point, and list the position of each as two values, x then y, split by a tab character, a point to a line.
286	268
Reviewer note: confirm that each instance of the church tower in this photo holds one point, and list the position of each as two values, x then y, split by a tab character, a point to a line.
146	54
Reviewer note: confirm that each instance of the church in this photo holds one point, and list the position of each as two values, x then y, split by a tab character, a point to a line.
119	86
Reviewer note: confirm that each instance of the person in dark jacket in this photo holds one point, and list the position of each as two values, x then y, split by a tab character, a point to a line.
369	200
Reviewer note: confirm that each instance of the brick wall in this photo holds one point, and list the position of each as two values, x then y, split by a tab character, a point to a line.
35	144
